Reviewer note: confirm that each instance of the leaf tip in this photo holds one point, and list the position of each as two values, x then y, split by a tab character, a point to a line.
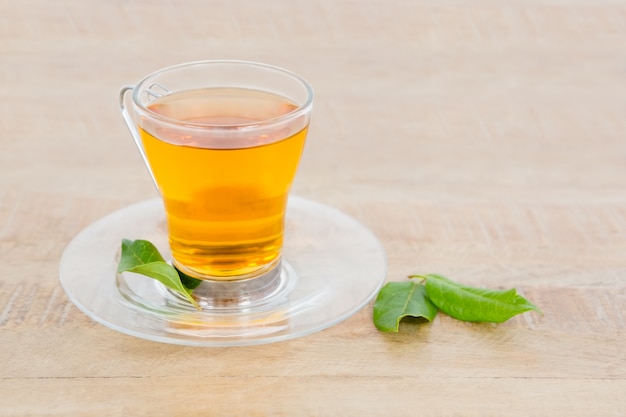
194	302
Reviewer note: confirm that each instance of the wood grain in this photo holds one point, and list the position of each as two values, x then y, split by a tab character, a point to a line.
482	140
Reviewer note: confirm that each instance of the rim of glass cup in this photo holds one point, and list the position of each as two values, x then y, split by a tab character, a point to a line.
300	110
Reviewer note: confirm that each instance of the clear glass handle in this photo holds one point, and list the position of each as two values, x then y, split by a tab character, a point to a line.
133	129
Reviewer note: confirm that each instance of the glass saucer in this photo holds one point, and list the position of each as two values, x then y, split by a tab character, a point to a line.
332	266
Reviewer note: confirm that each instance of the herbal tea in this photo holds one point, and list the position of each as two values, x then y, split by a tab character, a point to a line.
225	197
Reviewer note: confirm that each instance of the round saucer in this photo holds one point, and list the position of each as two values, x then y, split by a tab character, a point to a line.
332	267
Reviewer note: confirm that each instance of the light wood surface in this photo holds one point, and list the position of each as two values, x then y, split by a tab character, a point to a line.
484	140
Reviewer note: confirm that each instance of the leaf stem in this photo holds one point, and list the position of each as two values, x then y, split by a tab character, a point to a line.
421	278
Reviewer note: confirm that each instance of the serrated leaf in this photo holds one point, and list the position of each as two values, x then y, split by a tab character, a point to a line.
142	257
397	300
475	304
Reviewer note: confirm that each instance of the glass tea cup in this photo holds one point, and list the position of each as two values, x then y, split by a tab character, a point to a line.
222	141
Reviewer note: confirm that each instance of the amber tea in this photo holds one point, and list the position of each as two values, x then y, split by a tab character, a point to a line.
225	198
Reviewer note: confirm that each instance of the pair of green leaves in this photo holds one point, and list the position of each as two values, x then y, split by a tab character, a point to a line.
142	257
434	293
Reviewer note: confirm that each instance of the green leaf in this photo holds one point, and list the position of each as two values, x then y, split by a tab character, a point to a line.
137	252
397	300
474	304
142	257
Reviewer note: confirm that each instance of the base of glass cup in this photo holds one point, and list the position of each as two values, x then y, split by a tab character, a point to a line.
219	301
254	273
247	291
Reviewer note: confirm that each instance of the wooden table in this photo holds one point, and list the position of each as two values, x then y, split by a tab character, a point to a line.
483	140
